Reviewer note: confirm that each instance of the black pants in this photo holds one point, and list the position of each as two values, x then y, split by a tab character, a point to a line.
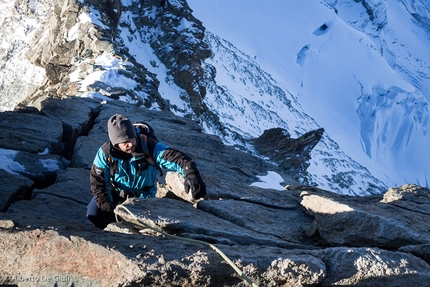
97	216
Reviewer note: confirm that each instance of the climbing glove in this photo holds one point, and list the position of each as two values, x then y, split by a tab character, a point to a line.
194	184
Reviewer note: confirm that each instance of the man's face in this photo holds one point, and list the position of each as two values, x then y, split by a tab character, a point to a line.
128	146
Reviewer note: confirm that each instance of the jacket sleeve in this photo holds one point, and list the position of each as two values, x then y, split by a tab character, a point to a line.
175	159
98	182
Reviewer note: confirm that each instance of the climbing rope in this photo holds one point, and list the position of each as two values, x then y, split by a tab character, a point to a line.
143	224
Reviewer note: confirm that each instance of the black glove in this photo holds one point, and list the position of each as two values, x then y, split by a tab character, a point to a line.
108	206
194	183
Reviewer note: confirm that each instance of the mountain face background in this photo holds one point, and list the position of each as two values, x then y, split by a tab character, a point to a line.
357	69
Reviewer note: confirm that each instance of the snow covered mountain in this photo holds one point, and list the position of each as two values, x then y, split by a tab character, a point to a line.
358	69
18	77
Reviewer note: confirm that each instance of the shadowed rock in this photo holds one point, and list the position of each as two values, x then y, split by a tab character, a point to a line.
292	155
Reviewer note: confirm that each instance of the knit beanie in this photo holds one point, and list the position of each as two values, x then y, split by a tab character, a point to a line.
120	129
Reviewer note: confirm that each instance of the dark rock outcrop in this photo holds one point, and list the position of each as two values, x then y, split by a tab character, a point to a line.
292	155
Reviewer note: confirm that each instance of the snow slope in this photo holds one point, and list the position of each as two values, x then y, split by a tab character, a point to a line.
362	76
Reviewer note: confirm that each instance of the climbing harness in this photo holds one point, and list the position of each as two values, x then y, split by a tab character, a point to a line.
143	224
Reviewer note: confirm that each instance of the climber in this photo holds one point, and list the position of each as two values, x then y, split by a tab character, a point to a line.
127	166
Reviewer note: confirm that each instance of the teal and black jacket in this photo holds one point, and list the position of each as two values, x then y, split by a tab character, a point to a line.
115	173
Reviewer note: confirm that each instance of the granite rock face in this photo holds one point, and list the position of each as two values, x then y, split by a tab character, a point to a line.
300	236
73	44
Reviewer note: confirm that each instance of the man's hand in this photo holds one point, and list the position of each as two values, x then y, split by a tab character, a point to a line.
194	183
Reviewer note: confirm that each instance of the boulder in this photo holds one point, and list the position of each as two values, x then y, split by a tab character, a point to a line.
37	134
13	188
409	196
41	167
77	117
344	220
374	267
46	258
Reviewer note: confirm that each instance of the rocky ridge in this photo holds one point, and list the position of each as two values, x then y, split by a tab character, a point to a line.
300	236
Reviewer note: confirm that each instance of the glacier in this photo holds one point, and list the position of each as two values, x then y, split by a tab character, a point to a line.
360	69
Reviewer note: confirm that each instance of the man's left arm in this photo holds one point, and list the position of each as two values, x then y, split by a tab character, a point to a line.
174	159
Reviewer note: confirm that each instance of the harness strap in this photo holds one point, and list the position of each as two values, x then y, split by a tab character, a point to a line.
126	194
145	149
148	156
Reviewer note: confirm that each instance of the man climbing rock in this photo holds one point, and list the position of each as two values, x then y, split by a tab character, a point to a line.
127	166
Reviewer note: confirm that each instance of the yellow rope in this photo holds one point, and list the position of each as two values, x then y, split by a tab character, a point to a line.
231	263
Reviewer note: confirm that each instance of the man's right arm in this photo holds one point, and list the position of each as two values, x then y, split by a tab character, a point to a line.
98	182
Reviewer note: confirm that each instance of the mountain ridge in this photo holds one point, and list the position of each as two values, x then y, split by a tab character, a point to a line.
113	66
370	52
